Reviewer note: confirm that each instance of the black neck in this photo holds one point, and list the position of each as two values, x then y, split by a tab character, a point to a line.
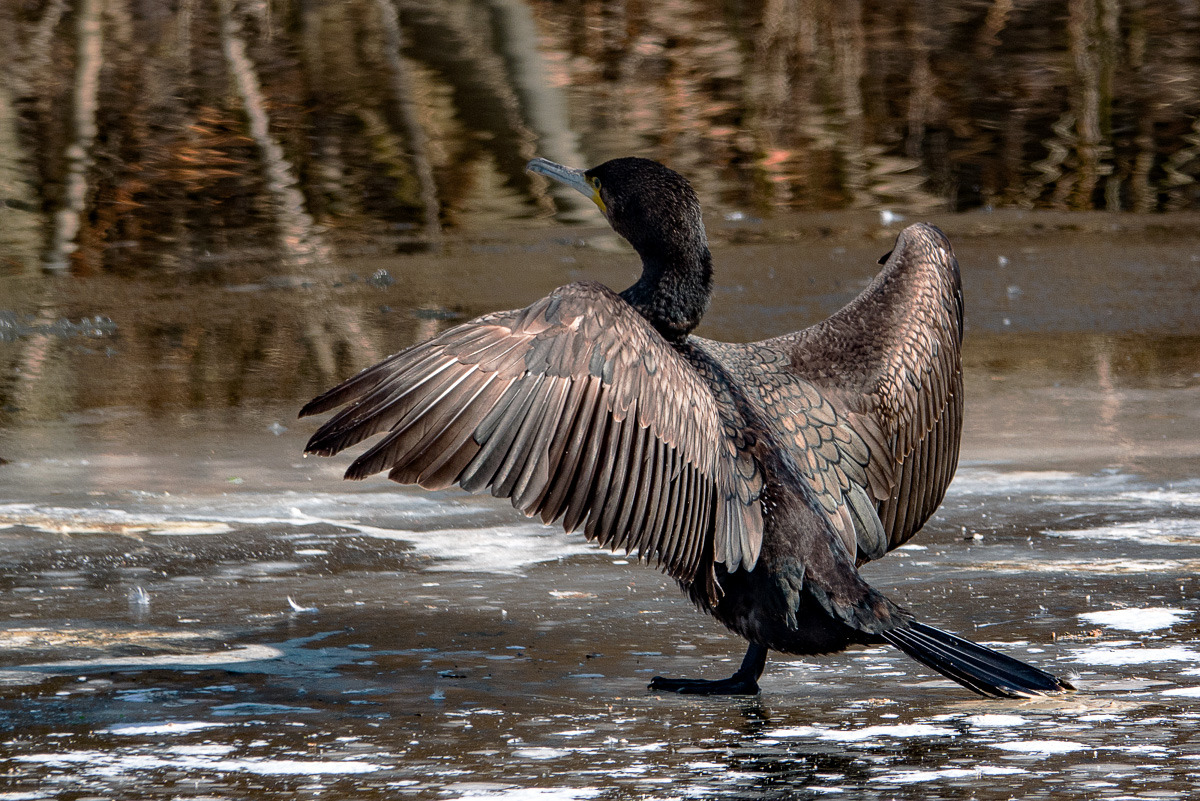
674	290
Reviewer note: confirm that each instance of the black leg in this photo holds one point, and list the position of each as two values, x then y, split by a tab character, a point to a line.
744	682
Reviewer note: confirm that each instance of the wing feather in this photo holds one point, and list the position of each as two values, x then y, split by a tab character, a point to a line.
890	364
571	449
593	444
690	511
437	434
535	476
666	505
441	462
603	486
521	450
574	408
631	523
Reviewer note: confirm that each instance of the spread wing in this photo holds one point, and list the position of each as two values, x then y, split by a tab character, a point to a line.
573	408
889	364
824	446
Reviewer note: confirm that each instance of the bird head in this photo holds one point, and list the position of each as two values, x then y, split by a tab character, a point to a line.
653	207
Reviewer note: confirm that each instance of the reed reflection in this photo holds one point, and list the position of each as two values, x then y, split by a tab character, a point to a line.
380	124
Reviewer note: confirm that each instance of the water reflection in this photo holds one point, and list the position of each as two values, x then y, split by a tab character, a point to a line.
1100	310
371	126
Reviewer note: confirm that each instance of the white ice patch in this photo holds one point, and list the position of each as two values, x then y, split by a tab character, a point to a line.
995	721
900	730
541	753
62	520
528	794
297	767
1135	656
648	747
1140	620
1099	567
167	727
239	655
1185	531
1185	692
920	776
502	549
1171	498
217	514
982	480
108	763
1041	747
202	749
251	708
497	549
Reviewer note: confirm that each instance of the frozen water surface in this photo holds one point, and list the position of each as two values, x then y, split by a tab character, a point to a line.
1135	619
189	609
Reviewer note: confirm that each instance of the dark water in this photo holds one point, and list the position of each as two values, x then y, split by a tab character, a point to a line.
195	611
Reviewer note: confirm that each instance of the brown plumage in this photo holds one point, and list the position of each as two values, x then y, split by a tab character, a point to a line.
758	475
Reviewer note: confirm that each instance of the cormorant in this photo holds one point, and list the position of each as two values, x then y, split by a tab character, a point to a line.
759	476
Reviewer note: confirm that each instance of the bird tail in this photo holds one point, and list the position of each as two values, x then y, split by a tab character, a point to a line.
980	669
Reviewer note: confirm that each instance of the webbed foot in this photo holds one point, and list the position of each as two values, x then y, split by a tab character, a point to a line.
736	684
744	682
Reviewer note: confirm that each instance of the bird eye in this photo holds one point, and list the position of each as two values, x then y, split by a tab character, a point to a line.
594	182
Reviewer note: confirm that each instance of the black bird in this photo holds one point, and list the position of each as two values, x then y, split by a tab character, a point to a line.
760	475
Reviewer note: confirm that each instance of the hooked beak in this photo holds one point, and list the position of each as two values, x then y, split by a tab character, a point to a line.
569	176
